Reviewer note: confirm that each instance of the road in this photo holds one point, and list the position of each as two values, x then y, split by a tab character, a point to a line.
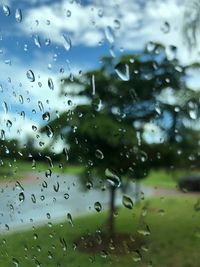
27	204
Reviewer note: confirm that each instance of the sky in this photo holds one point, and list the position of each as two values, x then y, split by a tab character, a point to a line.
50	39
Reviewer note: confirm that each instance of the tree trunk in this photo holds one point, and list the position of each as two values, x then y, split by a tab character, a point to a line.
111	226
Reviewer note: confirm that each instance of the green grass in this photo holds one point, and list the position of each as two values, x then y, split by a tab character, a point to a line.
164	178
18	169
174	238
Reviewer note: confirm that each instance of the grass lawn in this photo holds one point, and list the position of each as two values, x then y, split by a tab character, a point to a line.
174	238
17	170
164	178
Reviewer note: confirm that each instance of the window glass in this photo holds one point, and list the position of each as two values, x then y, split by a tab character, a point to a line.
99	133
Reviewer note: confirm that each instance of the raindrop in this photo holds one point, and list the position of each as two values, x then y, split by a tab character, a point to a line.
117	24
56	187
19	186
7	227
15	261
47	41
3	135
151	46
110	36
122	71
30	75
89	185
166	27
49	131
48	216
69	218
46	116
18	15
104	254
66	153
97	206
9	124
136	256
21	100
63	243
5	107
37	41
112	178
66	195
33	164
34	128
33	198
67	42
68	13
144	232
48	173
50	84
93	85
40	105
21	197
127	202
99	154
6	10
96	103
49	161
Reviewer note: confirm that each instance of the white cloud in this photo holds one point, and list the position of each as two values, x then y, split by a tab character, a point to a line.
86	24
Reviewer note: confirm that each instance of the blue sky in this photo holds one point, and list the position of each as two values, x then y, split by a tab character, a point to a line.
72	35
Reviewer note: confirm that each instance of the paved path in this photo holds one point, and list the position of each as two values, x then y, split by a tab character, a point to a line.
40	199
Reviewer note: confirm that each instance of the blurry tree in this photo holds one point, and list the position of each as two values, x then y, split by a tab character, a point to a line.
105	130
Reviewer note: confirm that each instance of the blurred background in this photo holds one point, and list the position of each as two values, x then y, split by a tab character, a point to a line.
99	133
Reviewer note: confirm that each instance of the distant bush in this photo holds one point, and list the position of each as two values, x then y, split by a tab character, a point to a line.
189	183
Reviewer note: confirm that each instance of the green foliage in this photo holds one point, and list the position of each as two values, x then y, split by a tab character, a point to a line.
115	102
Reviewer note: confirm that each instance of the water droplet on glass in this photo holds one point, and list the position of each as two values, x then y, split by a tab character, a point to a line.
127	202
16	262
117	24
89	185
49	161
50	84
122	71
5	107
56	187
40	105
99	154
63	243
112	178
6	10
48	173
93	85
21	197
46	116
66	195
9	124
136	256
33	198
166	27
97	206
19	186
18	15
68	13
37	41
34	128
69	218
67	42
3	136
30	75
110	36
49	131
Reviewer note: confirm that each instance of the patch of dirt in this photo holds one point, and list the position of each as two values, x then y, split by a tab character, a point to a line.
158	191
120	244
